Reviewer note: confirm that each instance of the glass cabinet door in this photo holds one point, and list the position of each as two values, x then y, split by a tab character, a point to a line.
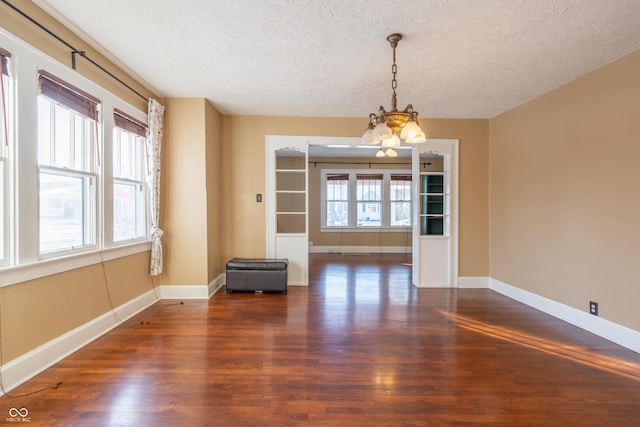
433	200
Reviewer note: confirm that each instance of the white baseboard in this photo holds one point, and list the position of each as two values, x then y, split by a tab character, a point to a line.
618	334
217	283
360	249
32	363
184	291
471	282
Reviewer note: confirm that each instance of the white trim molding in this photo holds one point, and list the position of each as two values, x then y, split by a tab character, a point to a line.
618	334
184	291
217	283
360	249
473	282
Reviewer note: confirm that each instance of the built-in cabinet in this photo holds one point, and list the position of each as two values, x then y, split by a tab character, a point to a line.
435	235
291	192
287	205
433	204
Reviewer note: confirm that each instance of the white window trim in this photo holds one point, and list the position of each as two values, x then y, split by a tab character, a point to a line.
386	202
24	260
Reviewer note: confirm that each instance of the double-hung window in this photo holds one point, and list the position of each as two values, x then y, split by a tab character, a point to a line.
129	195
5	119
400	200
337	211
357	200
68	128
369	200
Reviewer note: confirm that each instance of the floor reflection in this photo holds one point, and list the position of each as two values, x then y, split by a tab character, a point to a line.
573	353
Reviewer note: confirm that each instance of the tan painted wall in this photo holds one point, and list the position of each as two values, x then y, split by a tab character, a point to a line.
213	147
184	204
35	312
565	186
244	220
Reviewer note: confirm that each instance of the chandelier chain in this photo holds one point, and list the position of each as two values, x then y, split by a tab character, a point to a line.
394	82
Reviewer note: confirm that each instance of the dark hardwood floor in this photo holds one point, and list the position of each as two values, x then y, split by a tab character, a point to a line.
359	346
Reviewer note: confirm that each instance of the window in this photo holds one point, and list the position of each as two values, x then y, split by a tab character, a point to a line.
63	190
400	200
67	129
378	198
337	212
5	119
369	200
129	201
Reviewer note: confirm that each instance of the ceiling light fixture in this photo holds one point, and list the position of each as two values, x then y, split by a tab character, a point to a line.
385	126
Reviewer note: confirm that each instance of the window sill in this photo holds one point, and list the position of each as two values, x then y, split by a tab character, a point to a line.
22	273
365	229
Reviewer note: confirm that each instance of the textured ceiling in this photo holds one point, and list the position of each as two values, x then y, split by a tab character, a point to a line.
458	59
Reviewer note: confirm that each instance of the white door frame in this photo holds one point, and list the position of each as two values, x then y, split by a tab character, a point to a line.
435	258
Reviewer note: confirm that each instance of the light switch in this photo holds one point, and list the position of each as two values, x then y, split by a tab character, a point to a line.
259	198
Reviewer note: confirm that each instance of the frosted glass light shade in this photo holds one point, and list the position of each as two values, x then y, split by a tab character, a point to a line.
392	142
391	152
380	153
417	140
382	132
367	137
410	131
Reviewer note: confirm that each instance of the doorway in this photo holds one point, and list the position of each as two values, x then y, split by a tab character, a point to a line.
434	256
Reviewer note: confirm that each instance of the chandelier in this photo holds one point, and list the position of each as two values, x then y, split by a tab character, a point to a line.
390	128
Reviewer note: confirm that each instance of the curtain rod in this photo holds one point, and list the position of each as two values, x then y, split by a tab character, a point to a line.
315	163
74	51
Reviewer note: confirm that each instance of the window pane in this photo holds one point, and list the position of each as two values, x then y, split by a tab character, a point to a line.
127	221
368	214
400	190
127	157
337	190
337	214
62	138
369	189
401	214
66	209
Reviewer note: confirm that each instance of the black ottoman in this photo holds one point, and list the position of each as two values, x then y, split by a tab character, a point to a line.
257	275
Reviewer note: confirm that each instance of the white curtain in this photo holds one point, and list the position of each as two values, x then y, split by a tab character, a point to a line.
154	150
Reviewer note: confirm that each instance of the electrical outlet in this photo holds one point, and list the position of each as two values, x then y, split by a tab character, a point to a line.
593	308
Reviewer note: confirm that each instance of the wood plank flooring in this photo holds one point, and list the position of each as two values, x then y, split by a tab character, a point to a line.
360	346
